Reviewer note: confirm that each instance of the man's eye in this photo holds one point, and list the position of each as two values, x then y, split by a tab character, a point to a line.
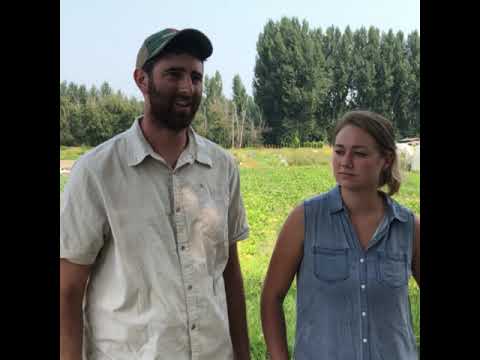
339	152
360	154
196	78
175	74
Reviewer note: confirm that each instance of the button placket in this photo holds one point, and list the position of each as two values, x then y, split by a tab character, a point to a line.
362	264
186	264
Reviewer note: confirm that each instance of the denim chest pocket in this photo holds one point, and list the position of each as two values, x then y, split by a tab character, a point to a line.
331	264
392	269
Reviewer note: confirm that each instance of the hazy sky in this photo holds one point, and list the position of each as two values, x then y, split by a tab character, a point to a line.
99	39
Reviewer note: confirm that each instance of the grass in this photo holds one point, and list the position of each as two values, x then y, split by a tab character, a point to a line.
72	152
273	182
63	181
263	157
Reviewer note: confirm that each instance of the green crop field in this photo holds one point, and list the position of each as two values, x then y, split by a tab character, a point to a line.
273	182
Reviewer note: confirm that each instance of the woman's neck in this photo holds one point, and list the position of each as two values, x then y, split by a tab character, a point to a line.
362	202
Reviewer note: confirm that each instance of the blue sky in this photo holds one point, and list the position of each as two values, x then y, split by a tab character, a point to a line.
99	39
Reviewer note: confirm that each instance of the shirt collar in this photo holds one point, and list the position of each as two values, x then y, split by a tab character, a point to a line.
335	200
394	211
200	148
139	148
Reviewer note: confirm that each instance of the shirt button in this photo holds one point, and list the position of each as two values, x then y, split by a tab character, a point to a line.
362	286
362	260
364	313
189	287
182	248
364	340
193	327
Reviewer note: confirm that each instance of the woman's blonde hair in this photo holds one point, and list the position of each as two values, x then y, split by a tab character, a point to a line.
382	131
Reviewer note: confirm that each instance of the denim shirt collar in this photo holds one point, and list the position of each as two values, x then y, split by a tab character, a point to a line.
394	211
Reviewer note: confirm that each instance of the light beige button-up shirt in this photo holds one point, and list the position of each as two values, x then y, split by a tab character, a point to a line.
159	241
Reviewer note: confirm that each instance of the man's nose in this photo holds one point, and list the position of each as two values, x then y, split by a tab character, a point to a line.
186	85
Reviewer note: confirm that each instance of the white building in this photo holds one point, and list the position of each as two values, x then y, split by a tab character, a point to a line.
408	151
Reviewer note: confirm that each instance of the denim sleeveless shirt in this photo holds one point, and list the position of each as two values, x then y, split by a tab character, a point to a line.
352	304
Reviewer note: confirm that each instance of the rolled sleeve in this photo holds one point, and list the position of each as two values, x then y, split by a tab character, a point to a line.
82	217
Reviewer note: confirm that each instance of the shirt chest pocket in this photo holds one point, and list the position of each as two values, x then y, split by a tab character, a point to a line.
207	214
331	265
392	269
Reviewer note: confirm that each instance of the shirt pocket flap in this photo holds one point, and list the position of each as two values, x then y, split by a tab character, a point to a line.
331	264
392	269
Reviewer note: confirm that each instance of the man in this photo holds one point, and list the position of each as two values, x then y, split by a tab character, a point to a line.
151	219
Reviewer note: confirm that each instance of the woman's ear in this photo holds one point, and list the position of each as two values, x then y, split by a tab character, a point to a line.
388	160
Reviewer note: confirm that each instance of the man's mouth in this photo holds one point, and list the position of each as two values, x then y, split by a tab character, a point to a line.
183	103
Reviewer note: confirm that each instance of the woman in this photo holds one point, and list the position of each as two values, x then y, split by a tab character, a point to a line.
352	250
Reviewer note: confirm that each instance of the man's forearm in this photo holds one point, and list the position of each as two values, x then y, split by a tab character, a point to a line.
237	312
237	315
71	328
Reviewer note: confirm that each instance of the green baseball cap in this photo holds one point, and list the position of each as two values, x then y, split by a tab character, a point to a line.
191	39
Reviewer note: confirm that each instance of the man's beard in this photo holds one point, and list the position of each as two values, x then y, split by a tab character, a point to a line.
162	109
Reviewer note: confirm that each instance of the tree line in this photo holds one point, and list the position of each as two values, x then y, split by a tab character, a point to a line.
89	117
304	80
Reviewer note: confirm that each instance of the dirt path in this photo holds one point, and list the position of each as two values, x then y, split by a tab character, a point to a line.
66	166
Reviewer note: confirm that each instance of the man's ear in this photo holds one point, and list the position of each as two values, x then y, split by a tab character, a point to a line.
141	79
